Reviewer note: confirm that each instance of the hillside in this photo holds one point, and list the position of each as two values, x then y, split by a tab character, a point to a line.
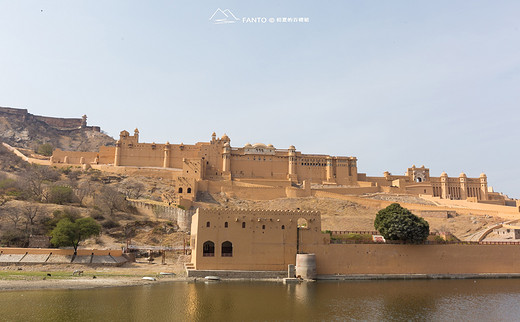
22	129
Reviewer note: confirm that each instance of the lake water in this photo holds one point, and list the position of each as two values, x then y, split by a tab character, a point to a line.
415	300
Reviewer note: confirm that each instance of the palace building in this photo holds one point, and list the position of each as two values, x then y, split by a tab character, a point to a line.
260	171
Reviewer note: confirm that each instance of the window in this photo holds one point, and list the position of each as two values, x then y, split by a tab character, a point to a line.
283	226
227	249
226	224
208	249
208	224
243	225
180	190
189	190
302	223
263	226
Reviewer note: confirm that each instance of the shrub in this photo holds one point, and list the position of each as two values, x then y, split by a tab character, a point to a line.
45	149
61	194
398	223
109	224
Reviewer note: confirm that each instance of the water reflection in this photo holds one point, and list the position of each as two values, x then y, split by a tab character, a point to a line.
242	301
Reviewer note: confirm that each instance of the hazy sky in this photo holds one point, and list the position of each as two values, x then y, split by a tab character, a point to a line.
393	83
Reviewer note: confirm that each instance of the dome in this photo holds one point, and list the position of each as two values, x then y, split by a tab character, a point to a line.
248	145
270	146
225	138
444	174
136	130
259	146
462	175
292	147
214	134
483	175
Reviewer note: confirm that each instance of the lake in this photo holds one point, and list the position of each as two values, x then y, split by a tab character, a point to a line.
391	300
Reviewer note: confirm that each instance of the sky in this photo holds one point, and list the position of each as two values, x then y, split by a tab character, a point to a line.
394	83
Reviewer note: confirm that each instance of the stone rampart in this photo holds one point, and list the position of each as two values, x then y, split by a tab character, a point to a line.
446	259
69	123
57	122
180	216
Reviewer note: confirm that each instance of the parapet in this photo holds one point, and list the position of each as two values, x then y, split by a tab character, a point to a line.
259	212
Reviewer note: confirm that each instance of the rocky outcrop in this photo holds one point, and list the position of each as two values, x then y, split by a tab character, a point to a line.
22	129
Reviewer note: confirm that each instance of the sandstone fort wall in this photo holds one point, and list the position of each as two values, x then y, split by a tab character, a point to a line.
415	259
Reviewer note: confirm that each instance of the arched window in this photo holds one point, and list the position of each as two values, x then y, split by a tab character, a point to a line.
263	226
302	223
226	224
208	249
180	190
208	224
227	249
189	190
283	226
243	225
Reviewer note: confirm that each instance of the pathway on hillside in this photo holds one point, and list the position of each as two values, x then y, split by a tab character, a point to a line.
481	234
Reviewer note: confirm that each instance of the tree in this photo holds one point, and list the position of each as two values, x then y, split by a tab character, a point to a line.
15	216
132	189
36	178
398	223
111	199
61	194
68	233
45	149
30	212
85	189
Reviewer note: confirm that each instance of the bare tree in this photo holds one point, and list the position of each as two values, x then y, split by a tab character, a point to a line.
85	189
111	199
15	216
30	212
36	178
132	189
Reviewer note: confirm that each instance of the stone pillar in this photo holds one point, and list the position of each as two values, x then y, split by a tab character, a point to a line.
463	186
117	158
330	173
444	185
166	160
136	135
483	187
226	158
292	162
66	159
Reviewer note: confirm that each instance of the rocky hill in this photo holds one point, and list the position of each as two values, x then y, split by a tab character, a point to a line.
22	129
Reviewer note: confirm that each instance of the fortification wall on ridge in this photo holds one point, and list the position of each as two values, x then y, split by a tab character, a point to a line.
69	123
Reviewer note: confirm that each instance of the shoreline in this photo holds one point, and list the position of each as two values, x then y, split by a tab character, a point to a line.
37	283
81	283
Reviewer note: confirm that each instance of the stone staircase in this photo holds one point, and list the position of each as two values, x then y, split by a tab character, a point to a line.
189	266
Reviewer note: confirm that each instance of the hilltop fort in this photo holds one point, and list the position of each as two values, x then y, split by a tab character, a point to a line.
20	128
259	171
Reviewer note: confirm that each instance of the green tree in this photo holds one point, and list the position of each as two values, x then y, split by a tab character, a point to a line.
398	223
61	194
68	233
45	149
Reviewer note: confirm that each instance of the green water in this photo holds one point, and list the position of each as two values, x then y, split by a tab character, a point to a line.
430	300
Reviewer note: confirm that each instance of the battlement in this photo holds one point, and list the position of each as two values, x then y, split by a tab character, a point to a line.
14	111
259	212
